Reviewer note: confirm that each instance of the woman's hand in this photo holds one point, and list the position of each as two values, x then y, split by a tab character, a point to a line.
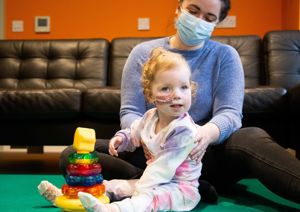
114	143
206	135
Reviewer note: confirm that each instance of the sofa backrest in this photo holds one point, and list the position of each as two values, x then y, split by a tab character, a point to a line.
36	64
282	58
248	47
119	51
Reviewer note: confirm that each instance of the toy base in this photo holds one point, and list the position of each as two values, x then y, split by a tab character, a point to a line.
68	204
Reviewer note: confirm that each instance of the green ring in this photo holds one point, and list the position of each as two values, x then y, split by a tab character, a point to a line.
92	157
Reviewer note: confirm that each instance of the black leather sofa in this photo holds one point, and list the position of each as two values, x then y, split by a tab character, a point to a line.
282	67
50	87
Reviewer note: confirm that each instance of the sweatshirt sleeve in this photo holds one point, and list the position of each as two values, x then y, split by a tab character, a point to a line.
228	94
131	136
133	104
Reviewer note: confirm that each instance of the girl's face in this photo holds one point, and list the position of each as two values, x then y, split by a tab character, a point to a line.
171	92
208	10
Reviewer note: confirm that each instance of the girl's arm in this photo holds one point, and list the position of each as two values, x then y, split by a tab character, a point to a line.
128	139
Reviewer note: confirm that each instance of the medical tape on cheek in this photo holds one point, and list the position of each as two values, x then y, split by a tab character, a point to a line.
164	98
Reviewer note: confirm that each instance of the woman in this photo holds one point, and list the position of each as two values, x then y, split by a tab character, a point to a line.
231	153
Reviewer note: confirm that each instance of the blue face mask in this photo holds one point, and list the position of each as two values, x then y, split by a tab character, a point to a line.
192	30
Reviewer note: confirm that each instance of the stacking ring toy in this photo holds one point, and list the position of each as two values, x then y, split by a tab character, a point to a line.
84	169
87	158
84	181
72	191
68	204
83	173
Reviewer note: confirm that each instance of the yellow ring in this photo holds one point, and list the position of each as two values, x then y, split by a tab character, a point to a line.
69	204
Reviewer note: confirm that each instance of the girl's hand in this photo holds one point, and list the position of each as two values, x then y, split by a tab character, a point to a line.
206	135
114	143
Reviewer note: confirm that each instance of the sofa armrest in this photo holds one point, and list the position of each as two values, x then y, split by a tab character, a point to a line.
265	99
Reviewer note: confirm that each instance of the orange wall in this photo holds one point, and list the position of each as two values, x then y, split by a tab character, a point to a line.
290	14
118	18
255	17
91	18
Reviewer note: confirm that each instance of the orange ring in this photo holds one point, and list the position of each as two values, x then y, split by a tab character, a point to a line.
72	191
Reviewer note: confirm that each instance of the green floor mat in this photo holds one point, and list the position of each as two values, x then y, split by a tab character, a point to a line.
19	193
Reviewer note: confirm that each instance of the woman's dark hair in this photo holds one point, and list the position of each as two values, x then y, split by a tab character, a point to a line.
224	9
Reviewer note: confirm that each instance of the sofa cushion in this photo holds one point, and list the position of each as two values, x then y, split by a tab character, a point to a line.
39	104
102	103
282	49
294	120
40	64
267	108
249	50
120	50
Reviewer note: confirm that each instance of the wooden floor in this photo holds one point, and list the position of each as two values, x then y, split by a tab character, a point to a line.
24	163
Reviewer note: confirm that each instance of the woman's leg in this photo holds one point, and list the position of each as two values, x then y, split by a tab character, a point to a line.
136	158
112	167
251	152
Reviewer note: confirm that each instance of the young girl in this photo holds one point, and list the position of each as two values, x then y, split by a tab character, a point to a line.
167	134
